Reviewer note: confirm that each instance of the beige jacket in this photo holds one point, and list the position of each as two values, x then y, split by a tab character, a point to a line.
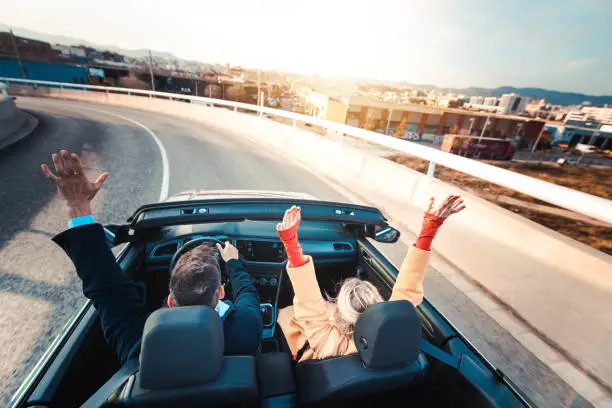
312	318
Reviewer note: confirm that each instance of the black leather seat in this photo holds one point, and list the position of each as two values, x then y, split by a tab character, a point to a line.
387	336
182	363
276	381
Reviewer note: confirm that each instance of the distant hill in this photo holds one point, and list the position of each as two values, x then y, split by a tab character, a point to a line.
64	40
553	97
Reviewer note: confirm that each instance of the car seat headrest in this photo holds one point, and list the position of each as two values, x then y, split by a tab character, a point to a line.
388	334
181	346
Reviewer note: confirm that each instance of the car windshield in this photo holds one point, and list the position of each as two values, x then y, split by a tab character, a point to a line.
504	108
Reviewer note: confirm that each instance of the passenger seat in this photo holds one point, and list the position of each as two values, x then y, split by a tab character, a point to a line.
387	336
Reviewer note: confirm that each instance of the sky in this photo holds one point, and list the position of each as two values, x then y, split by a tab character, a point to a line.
562	45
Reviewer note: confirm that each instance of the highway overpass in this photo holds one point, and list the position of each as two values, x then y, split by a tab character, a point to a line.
152	155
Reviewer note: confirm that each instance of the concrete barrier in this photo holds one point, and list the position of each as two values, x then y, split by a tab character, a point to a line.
14	124
558	285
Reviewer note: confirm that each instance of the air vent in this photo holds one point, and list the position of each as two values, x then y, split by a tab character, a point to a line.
342	246
165	250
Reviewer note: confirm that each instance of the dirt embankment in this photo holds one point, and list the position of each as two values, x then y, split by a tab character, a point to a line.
592	180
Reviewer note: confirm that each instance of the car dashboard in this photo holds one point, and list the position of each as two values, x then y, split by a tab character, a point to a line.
263	257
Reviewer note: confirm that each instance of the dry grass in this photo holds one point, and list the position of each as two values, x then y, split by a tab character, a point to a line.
596	181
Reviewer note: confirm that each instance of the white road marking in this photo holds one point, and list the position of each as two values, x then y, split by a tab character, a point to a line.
165	185
163	194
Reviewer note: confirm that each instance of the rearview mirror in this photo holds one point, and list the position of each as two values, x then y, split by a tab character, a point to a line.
388	235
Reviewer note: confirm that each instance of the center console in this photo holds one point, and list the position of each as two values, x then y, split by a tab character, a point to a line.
265	262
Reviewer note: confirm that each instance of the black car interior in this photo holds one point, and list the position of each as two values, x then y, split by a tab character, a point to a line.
390	369
178	369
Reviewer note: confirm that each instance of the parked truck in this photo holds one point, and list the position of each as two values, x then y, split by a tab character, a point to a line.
482	148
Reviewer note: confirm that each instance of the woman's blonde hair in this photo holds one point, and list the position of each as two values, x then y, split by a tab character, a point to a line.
354	297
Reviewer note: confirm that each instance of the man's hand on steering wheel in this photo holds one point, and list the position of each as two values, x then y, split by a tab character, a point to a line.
229	252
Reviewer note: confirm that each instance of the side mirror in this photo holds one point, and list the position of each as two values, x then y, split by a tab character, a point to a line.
388	235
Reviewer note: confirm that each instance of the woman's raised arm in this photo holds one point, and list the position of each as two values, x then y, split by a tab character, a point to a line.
409	283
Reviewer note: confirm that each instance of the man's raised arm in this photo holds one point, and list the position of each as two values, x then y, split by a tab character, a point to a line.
114	294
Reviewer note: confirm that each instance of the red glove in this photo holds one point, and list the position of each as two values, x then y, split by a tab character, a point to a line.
293	249
431	223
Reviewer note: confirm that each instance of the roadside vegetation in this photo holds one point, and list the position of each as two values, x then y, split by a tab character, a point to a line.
588	179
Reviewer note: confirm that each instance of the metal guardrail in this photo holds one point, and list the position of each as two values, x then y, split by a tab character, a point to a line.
583	203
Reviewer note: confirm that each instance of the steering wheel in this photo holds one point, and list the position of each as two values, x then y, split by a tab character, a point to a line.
189	245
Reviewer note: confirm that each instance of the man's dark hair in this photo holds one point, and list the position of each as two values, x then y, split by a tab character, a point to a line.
196	278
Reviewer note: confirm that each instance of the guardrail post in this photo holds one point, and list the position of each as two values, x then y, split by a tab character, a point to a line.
431	169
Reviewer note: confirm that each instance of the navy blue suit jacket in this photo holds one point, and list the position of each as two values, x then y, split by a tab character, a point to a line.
121	308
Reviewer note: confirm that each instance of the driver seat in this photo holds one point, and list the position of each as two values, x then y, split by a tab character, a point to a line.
387	336
182	363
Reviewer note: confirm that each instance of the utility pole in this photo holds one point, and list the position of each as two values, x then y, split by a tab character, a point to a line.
388	121
23	72
535	145
151	71
258	90
484	128
595	134
471	124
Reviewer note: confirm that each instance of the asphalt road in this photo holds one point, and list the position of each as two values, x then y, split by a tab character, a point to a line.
38	289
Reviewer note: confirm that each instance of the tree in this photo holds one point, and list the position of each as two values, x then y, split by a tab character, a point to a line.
371	123
401	128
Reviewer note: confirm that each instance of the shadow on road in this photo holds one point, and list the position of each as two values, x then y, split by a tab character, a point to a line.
29	208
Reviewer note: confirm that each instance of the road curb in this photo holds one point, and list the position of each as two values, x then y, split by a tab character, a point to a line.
559	360
590	387
31	123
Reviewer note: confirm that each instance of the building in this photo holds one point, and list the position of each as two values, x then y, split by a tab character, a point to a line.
70	51
579	129
429	122
508	104
476	100
324	106
491	101
449	102
538	108
600	114
512	104
27	47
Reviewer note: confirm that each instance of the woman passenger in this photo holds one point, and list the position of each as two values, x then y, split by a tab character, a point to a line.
316	328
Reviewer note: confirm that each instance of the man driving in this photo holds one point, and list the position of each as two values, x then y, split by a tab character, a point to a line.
195	280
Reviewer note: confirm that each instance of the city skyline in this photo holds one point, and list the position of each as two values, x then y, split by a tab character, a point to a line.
487	46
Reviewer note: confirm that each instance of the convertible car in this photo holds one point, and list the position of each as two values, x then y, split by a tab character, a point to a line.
406	356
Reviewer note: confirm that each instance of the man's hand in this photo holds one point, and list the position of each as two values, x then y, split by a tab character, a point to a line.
229	252
452	205
72	184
